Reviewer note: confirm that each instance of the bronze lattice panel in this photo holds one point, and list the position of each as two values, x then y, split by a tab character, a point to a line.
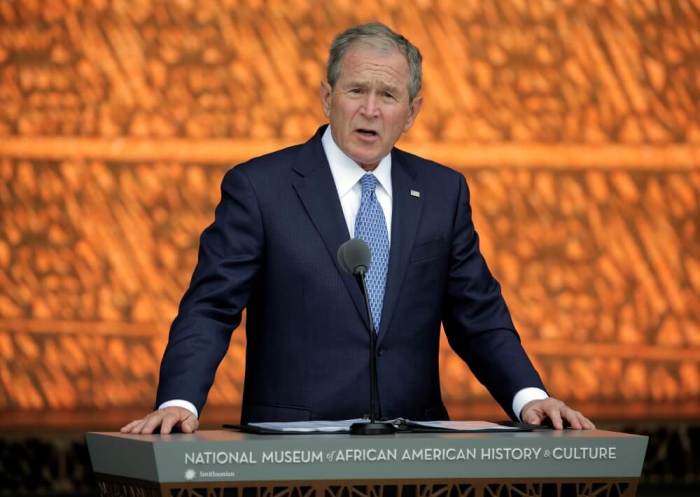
577	125
496	71
476	488
244	491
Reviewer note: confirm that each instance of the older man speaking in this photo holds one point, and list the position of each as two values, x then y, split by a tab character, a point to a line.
272	250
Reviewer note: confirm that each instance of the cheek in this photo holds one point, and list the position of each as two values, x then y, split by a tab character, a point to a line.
399	121
337	114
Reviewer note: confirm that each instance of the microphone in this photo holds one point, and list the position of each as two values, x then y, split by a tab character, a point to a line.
354	257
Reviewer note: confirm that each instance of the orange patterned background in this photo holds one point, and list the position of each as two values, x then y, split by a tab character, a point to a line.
576	123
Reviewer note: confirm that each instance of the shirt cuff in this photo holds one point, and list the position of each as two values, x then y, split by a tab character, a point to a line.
526	395
188	405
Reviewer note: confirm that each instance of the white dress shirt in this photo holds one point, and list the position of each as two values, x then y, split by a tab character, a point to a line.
346	175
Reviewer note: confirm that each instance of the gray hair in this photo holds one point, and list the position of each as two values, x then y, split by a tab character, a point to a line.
370	32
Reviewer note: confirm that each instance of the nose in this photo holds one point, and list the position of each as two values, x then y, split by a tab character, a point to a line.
370	107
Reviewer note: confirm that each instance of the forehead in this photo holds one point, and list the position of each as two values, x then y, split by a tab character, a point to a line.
375	60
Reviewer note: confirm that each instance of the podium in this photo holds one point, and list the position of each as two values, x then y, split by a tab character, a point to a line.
231	464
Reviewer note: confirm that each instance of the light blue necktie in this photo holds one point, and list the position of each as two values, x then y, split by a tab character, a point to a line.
371	227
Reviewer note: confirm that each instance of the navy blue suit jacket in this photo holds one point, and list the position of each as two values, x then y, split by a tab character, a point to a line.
272	250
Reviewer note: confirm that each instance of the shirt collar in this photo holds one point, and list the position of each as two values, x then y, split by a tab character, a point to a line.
347	173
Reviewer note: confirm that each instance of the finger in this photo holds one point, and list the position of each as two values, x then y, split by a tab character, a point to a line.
153	421
137	426
573	417
127	427
533	413
190	425
532	416
587	423
555	418
583	423
169	420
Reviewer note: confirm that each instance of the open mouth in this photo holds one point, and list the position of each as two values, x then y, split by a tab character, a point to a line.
367	132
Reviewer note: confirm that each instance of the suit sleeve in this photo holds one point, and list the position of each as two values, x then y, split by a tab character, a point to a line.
230	254
476	319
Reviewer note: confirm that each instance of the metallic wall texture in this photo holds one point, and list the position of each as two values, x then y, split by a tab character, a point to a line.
577	125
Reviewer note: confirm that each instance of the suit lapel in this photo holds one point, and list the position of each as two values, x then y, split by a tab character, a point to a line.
316	189
406	211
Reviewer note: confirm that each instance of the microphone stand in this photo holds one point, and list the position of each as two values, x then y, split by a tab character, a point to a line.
374	427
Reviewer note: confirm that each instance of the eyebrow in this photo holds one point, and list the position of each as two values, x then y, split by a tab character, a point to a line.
391	88
365	84
356	83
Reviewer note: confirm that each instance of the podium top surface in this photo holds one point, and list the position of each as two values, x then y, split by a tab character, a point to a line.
223	455
237	436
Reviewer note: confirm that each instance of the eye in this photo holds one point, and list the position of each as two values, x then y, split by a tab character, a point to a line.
389	95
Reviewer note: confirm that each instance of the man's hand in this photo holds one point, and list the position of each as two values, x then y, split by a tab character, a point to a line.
538	411
165	419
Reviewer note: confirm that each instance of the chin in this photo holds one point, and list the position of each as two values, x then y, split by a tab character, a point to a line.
366	159
364	162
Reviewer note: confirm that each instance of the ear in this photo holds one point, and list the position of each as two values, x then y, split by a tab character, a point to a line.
325	93
413	110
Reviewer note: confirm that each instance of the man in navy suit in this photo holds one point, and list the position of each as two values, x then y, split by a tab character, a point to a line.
272	250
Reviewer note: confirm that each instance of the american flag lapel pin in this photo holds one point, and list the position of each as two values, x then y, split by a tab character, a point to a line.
415	193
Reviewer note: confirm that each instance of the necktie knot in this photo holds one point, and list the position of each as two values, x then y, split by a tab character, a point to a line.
369	183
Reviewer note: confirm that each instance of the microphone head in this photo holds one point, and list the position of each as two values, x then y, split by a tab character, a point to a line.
354	256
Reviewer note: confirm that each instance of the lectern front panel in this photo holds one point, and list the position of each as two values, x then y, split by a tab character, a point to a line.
401	465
